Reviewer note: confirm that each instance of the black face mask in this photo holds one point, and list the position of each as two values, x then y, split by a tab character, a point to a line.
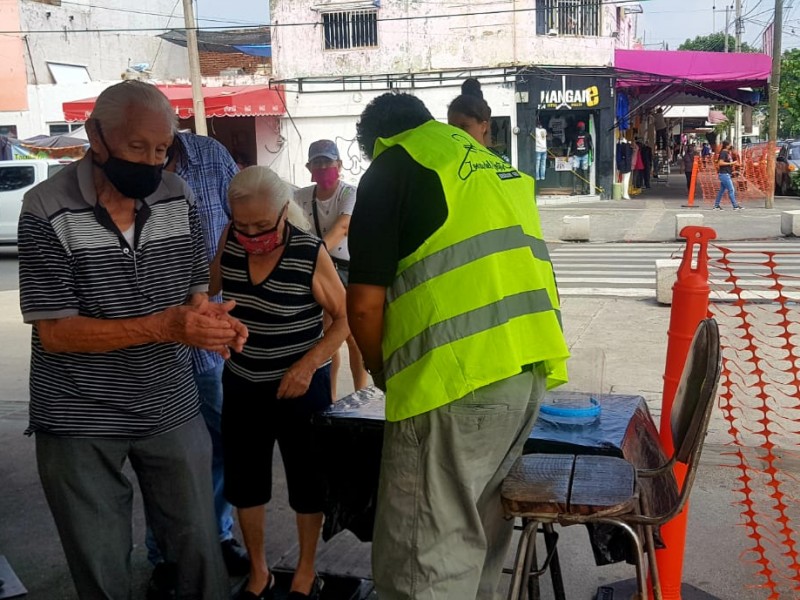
132	180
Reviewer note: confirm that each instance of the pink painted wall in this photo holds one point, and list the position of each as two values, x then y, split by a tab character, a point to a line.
13	76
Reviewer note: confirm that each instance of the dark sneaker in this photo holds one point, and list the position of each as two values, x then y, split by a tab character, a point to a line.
740	207
236	558
717	208
163	584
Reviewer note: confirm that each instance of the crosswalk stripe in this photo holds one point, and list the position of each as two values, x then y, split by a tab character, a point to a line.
622	292
598	273
636	280
629	269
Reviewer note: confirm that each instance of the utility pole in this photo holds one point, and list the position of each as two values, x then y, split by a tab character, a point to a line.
727	25
739	30
774	88
194	69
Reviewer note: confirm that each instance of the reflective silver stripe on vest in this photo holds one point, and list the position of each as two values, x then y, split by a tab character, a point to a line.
466	324
465	252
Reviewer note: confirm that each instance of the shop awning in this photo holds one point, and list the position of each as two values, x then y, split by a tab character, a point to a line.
712	70
226	101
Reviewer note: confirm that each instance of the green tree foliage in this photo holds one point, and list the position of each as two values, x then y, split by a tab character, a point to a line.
714	42
789	95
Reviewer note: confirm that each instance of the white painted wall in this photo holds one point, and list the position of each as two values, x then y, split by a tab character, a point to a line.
44	106
106	54
425	44
333	115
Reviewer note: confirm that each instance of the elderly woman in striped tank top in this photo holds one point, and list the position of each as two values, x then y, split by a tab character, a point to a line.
282	279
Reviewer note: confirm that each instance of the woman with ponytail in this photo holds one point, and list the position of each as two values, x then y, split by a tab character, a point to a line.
470	112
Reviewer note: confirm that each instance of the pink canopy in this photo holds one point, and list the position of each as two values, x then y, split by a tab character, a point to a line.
713	70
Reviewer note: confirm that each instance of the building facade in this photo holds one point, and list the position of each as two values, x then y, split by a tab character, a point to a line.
71	50
334	56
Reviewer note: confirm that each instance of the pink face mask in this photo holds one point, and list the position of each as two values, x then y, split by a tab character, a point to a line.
260	243
325	177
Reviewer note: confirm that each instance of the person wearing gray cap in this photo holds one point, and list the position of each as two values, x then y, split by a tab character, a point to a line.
328	204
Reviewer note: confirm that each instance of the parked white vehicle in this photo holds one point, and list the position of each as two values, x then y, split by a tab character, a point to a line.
16	178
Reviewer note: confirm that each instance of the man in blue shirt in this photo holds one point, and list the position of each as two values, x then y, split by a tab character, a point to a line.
207	166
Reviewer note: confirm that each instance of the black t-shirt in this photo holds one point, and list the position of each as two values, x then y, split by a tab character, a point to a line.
581	144
725	156
399	205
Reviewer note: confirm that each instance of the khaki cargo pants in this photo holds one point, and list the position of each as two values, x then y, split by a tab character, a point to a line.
440	533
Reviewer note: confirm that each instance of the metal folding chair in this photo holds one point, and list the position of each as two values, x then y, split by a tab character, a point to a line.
580	489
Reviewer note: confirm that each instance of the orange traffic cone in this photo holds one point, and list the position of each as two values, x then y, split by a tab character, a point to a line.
689	306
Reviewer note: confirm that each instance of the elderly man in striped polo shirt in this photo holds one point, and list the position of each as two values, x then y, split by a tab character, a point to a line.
113	278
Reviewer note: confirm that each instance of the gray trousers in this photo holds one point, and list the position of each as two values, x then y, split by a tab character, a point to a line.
91	501
440	531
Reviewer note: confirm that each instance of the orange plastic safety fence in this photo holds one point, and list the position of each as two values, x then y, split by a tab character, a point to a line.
749	176
758	308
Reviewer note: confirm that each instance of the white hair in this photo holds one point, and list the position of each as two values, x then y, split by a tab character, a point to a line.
262	184
112	107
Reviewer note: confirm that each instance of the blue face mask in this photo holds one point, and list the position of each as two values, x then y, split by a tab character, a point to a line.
132	180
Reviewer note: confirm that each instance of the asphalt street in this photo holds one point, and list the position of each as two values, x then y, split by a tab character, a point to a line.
632	333
9	279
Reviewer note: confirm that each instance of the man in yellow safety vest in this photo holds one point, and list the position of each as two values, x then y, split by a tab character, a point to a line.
453	303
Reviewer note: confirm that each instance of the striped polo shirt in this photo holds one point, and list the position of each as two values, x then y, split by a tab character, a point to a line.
73	261
284	320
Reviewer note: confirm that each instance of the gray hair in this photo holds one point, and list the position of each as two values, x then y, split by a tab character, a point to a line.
262	184
113	105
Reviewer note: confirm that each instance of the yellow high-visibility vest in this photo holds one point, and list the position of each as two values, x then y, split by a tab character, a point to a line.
477	301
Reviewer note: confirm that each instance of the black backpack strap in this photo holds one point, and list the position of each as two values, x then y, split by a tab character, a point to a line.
314	212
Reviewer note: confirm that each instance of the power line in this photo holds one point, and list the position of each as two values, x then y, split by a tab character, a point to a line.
161	40
150	13
589	3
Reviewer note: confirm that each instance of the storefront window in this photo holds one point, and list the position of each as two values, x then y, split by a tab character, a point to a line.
558	104
561	127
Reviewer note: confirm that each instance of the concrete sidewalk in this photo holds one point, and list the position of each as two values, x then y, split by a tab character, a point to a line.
650	217
631	333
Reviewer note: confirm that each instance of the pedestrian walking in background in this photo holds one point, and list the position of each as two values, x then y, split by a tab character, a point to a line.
463	382
661	129
725	164
637	165
328	206
647	162
688	164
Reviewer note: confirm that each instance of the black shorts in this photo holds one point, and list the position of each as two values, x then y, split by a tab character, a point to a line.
342	269
253	419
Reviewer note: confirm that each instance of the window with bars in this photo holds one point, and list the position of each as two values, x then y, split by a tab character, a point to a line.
568	17
350	29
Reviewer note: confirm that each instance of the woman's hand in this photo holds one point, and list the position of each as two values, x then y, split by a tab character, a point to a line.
296	380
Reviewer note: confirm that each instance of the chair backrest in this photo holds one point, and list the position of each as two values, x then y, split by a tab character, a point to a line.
697	389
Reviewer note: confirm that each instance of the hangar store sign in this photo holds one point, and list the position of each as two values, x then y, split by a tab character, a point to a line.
567	93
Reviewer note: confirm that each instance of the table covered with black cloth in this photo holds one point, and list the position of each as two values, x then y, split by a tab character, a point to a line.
350	436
